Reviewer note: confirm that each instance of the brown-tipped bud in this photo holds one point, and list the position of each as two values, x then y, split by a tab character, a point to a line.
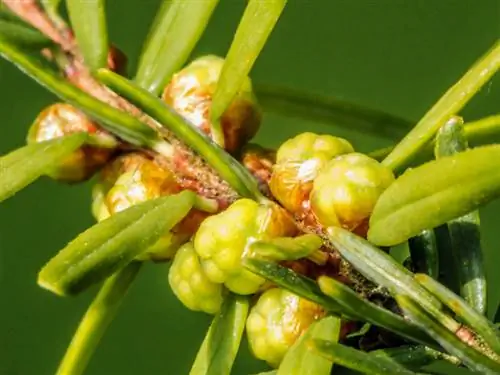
190	94
61	119
298	162
132	179
117	60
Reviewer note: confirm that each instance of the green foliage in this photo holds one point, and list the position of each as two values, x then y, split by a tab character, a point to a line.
424	253
413	357
364	310
286	248
220	346
484	130
465	235
113	243
357	360
421	199
447	339
98	317
118	122
379	267
452	102
479	132
88	20
24	165
299	360
292	281
177	28
465	311
456	184
255	26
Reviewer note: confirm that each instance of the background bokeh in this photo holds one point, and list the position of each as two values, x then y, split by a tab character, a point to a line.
394	55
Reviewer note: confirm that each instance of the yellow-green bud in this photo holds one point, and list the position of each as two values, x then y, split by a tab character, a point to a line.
347	188
276	321
190	284
222	240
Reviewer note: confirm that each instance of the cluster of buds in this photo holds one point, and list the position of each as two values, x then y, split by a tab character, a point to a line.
298	162
204	271
322	175
312	175
223	240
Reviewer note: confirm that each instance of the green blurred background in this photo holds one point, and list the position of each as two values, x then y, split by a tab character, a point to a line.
394	55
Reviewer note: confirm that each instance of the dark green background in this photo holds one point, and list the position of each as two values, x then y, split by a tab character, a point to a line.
395	55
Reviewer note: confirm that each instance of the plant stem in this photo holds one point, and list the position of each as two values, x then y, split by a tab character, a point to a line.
482	130
125	125
237	176
30	11
96	320
449	104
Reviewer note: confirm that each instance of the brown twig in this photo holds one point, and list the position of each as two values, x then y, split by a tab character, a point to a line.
30	11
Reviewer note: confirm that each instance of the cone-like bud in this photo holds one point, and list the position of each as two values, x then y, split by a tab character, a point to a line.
222	241
298	162
346	190
61	119
117	60
276	321
134	178
190	94
190	284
